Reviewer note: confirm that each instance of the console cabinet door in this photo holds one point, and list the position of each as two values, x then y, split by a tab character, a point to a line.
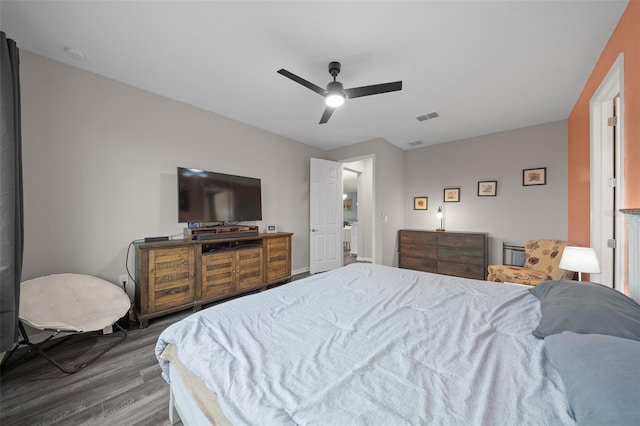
171	277
278	253
218	274
249	268
227	272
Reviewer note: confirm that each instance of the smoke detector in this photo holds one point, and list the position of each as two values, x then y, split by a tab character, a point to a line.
75	54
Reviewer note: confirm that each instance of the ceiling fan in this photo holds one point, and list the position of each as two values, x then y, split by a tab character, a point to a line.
335	94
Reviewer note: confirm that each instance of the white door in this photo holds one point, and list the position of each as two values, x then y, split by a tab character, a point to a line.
325	221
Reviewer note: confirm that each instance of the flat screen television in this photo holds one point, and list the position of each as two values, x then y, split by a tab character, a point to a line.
207	197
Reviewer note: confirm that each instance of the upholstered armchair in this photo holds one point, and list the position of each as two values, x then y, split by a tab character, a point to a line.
542	259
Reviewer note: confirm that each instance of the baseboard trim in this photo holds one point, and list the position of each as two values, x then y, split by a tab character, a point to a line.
299	271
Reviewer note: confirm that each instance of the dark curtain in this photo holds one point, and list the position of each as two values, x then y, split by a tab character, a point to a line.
11	226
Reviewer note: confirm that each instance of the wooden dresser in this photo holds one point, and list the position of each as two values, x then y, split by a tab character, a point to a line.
181	274
462	254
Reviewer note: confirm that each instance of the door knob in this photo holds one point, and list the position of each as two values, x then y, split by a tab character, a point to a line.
314	230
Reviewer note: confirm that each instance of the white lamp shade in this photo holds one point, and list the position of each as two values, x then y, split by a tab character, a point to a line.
580	259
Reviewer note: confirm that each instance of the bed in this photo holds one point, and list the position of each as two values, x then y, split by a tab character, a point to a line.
369	344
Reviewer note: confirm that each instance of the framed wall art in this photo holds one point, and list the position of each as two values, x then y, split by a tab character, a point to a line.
532	177
452	195
420	203
487	188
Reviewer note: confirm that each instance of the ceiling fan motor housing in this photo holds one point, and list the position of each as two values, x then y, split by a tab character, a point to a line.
335	86
334	68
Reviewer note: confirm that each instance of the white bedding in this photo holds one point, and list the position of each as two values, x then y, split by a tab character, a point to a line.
369	344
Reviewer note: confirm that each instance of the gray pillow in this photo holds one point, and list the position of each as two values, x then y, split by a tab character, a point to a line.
601	375
586	308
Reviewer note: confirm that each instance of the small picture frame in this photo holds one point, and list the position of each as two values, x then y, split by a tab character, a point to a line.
271	229
451	195
420	203
537	176
487	188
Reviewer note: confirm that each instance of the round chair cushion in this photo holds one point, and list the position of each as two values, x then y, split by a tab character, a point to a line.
71	302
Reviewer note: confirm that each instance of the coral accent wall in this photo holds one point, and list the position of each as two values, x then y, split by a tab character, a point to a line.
625	38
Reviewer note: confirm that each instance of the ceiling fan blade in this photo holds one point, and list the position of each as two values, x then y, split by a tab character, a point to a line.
374	89
319	90
326	115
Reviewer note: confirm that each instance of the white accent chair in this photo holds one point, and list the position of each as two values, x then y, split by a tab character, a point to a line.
68	304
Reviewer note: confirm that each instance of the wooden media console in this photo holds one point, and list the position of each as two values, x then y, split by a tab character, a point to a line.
175	275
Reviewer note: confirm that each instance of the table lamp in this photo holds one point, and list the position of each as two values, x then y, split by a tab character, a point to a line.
580	259
440	215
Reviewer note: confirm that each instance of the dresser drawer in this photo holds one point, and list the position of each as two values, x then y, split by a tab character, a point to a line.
462	240
461	255
418	238
419	251
465	270
419	263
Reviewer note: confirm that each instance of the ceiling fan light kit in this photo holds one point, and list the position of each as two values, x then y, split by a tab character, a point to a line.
335	94
334	100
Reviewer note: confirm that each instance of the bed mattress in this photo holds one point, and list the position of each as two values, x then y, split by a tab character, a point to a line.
369	344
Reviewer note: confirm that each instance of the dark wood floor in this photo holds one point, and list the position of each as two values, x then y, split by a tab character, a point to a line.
123	387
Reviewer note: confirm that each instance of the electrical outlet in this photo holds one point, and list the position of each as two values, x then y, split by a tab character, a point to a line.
123	280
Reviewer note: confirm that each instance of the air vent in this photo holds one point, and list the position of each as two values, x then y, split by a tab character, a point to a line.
416	143
429	116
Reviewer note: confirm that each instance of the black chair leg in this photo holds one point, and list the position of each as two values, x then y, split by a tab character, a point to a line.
38	348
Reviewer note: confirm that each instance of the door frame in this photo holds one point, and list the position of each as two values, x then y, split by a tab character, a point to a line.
601	142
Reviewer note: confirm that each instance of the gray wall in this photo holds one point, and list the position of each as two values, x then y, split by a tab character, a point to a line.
100	161
517	213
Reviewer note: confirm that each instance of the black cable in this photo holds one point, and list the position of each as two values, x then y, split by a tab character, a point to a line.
126	262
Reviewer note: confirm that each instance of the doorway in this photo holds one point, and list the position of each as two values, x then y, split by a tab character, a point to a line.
358	209
350	180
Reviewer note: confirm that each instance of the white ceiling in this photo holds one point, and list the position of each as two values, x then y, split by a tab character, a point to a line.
484	66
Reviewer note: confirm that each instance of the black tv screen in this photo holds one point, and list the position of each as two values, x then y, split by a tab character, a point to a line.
217	197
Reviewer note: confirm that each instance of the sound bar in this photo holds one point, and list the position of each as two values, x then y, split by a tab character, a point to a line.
236	234
219	232
155	239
